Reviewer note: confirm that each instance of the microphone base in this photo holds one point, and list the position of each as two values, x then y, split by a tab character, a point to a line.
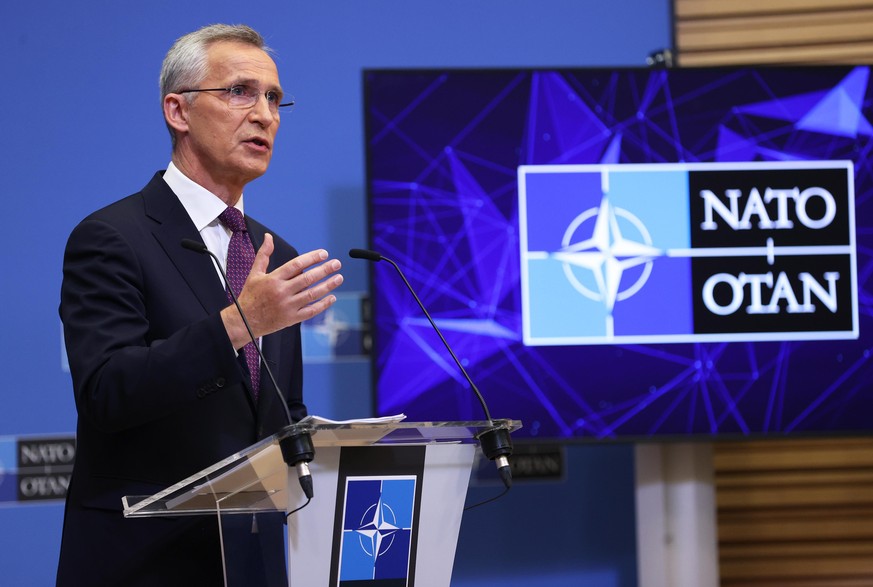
297	447
496	444
297	452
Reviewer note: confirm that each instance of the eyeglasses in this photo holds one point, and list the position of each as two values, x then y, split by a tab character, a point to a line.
244	96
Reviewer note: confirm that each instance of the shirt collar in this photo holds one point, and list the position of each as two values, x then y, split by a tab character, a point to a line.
202	205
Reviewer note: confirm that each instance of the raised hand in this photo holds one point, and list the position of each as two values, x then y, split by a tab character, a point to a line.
291	293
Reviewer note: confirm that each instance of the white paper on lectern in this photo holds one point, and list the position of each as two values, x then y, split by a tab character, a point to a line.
356	432
318	420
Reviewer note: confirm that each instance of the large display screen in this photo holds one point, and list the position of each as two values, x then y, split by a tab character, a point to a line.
625	253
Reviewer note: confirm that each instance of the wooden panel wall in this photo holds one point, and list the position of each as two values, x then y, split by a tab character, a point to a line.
795	512
747	32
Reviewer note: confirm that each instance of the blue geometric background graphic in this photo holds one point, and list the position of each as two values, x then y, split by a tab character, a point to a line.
443	152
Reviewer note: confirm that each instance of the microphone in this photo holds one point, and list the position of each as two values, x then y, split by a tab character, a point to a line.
297	449
496	442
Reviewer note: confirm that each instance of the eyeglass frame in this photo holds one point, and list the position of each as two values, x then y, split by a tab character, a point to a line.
252	105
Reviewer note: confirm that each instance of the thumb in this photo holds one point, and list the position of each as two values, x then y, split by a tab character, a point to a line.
262	257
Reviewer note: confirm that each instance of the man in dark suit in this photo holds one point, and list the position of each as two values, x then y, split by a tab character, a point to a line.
156	350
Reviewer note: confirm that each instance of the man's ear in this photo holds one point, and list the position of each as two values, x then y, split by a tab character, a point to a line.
176	112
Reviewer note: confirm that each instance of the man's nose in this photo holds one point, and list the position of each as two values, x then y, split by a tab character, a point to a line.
262	111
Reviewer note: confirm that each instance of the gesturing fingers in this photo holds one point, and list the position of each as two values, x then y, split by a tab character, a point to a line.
300	264
309	281
292	293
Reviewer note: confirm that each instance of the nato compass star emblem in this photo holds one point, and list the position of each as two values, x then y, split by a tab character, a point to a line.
605	243
377	529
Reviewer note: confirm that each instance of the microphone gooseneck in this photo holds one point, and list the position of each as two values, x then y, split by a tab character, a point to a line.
297	449
496	442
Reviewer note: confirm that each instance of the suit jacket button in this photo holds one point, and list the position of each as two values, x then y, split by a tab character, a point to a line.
219	382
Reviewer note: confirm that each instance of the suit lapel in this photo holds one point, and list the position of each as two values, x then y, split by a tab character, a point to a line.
172	224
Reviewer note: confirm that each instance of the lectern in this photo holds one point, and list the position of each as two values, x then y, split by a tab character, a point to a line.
388	502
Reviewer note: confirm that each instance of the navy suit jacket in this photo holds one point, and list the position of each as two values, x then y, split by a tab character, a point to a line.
160	392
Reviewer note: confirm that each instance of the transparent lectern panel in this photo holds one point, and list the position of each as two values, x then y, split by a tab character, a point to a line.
256	479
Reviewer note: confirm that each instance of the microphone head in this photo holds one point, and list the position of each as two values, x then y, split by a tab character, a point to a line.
365	254
193	245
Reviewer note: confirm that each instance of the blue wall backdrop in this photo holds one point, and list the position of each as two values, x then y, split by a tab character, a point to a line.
82	127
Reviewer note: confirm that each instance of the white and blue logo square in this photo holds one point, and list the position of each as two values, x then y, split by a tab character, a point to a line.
377	530
589	242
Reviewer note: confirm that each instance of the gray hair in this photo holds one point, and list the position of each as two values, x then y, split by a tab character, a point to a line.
185	65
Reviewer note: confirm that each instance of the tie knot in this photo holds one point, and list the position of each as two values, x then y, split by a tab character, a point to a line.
233	219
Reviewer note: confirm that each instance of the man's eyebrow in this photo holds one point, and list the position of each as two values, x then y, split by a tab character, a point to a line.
255	83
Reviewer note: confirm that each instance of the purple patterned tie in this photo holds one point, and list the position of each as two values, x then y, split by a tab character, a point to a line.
240	256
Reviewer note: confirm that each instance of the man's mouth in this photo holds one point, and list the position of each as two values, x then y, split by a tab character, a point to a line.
260	143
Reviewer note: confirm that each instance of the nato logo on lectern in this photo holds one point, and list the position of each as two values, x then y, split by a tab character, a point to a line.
377	529
696	252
